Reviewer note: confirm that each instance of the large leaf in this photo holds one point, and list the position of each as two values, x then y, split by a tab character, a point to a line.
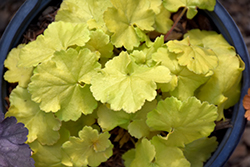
191	5
87	11
91	148
13	151
42	126
58	36
124	17
184	121
21	75
61	85
126	85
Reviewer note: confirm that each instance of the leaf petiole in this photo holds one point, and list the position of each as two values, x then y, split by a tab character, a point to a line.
175	23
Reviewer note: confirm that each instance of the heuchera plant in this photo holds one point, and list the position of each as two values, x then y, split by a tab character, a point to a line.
95	69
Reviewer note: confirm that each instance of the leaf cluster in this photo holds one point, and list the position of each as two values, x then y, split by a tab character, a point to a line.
97	68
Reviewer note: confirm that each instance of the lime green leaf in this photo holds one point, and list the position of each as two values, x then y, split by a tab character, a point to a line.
138	127
126	85
60	85
52	155
191	5
185	121
58	36
134	122
42	126
109	119
200	150
87	11
14	73
153	154
124	16
75	126
163	23
128	157
91	148
143	55
144	154
198	59
184	82
155	5
174	158
99	41
221	91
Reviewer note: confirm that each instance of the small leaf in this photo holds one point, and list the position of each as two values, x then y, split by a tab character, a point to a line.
199	151
90	148
13	151
42	126
14	73
61	84
124	17
184	121
58	36
191	5
99	41
125	85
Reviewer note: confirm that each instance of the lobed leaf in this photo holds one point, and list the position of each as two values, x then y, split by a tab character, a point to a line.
198	59
124	17
184	82
99	41
90	148
125	85
42	126
14	74
13	151
184	121
58	36
61	84
88	12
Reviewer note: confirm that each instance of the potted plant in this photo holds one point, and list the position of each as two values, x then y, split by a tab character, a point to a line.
110	78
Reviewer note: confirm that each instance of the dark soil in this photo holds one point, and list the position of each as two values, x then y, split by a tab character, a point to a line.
239	10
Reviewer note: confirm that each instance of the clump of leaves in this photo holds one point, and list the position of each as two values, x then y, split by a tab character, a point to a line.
97	68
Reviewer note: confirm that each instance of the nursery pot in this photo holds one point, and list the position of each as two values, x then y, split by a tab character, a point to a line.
221	19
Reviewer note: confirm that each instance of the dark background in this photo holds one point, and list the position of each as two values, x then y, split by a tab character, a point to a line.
240	12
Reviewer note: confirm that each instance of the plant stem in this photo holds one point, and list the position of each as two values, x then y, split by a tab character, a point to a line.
175	23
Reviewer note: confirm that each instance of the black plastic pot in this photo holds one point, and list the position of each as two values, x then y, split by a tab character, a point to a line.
221	19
